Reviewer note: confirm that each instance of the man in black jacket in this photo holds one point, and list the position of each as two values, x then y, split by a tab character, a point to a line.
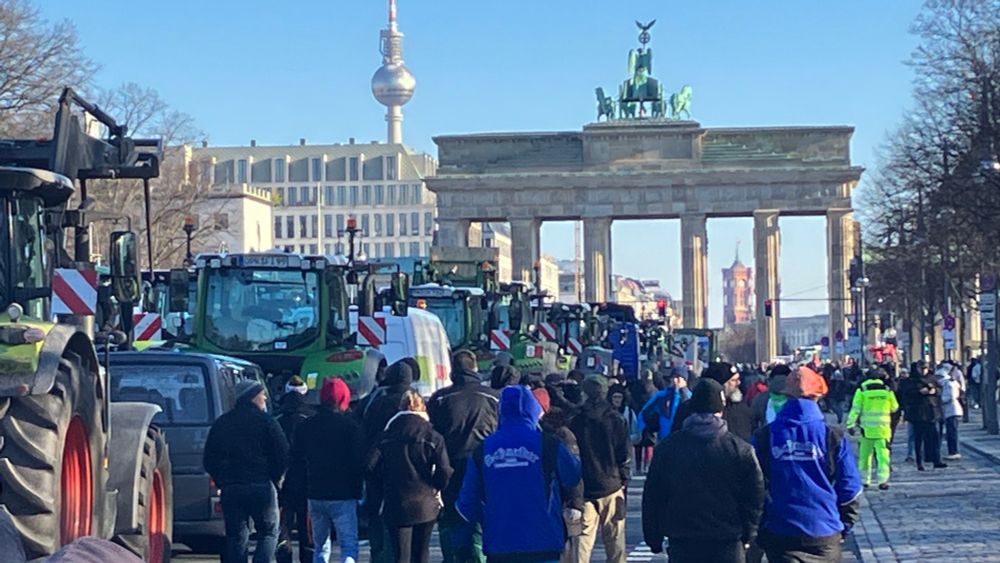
246	455
465	413
921	398
605	452
737	414
329	450
704	490
292	410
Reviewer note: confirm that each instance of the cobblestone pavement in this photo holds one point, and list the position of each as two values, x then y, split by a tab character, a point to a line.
950	514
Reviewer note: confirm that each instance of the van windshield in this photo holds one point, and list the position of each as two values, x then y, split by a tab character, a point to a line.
179	390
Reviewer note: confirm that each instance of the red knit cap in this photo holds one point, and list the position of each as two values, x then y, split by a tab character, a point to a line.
335	392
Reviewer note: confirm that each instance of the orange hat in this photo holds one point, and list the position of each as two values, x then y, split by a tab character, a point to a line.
812	384
542	396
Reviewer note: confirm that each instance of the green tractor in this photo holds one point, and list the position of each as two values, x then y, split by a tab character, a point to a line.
480	314
288	313
72	463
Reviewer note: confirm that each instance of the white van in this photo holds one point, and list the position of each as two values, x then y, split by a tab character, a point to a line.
419	335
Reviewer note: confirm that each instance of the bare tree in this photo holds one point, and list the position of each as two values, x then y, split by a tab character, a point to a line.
930	209
37	59
176	194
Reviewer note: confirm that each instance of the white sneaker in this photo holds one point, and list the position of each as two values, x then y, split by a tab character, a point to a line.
953	457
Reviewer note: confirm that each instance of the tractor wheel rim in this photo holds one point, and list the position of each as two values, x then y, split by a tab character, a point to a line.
156	520
77	485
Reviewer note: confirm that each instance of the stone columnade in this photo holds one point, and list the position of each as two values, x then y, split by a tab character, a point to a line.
656	169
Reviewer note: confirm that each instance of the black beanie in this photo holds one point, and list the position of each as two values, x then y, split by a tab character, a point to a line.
719	371
707	397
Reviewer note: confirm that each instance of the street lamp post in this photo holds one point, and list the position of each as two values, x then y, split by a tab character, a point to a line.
859	286
188	233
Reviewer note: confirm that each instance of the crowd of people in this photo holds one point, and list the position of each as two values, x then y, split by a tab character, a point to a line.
513	467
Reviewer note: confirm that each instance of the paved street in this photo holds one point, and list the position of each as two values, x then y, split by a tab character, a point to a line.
938	515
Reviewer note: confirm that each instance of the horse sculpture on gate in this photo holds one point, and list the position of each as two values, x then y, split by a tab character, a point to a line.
605	105
680	103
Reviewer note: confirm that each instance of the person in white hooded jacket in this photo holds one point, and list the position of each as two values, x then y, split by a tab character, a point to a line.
951	410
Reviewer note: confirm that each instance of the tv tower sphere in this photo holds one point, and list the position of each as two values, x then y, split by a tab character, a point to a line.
393	84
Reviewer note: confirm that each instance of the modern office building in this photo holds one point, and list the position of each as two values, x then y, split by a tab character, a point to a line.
316	188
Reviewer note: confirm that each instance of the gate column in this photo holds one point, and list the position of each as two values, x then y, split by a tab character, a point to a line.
452	232
839	251
597	258
766	248
525	248
694	270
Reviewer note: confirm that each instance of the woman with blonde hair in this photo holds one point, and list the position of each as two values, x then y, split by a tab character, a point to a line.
410	467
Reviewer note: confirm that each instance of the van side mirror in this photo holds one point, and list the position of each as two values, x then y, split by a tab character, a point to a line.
179	279
399	287
124	267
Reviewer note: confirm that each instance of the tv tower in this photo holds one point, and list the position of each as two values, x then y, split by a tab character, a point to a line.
393	84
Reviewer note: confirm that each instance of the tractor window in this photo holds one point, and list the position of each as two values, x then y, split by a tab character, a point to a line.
452	315
253	310
28	250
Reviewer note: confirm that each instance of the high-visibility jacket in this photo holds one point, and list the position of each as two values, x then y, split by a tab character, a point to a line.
873	404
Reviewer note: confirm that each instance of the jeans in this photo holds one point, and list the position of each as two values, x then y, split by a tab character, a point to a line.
951	433
911	436
342	515
240	504
604	516
838	408
412	544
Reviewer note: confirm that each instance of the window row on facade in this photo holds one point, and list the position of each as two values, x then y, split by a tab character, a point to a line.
373	224
353	196
371	249
312	169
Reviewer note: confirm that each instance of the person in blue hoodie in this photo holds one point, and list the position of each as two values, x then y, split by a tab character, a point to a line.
657	415
812	479
514	484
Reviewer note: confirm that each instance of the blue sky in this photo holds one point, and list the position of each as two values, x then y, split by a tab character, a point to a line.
277	71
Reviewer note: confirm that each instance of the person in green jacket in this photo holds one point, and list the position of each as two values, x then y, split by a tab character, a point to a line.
872	408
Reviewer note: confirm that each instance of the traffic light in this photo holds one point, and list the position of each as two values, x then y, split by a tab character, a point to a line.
661	307
768	307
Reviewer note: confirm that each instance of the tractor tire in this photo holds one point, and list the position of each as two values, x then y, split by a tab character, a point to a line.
153	542
51	460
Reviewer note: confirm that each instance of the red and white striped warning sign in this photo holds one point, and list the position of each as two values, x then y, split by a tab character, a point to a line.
146	326
500	340
574	346
548	332
74	292
533	351
371	331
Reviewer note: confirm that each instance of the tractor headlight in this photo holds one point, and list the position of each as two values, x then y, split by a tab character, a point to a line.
14	311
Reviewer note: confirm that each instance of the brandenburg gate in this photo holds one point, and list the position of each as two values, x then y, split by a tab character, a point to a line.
656	168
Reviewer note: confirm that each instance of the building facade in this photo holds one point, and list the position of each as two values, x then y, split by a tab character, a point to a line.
797	332
315	189
737	289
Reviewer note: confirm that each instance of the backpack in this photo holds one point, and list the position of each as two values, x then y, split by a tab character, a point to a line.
834	436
